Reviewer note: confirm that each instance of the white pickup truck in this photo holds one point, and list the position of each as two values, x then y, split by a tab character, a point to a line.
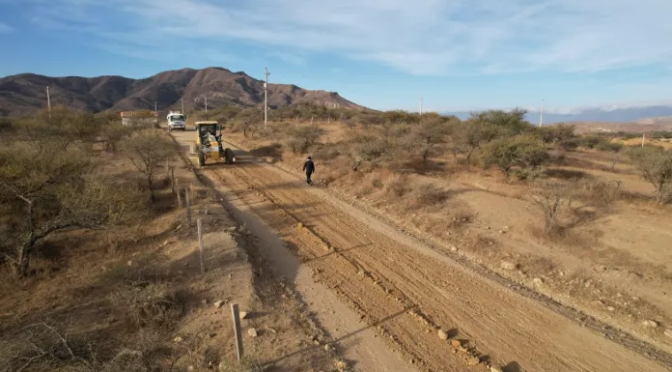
176	120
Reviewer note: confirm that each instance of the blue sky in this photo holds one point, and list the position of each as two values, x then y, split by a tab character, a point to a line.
460	54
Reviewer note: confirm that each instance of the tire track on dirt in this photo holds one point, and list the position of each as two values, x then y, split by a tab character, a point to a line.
505	325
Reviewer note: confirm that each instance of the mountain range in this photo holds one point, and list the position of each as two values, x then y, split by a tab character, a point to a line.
620	115
25	93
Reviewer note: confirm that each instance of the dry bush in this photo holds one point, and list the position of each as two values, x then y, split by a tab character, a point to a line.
326	152
147	303
58	129
301	139
149	150
614	148
399	186
600	193
554	199
428	194
54	191
568	205
655	166
45	347
113	134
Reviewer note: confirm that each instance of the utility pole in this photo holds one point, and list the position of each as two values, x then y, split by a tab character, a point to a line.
155	107
643	136
206	103
541	115
48	102
266	73
421	105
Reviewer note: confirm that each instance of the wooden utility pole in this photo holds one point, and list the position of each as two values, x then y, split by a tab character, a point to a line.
266	73
48	102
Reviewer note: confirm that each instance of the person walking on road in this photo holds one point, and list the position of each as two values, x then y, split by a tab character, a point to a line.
309	168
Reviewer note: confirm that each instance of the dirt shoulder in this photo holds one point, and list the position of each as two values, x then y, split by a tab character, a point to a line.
410	291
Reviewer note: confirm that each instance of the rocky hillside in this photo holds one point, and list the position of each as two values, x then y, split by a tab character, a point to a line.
25	93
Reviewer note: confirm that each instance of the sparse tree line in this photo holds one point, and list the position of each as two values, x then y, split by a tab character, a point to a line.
51	178
494	138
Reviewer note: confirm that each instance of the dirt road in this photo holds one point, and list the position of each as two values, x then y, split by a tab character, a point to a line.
408	292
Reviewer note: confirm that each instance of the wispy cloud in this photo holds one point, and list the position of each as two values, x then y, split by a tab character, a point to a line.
5	28
424	37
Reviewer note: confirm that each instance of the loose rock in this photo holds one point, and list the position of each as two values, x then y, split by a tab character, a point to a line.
252	332
650	323
474	361
219	304
538	281
668	332
177	339
442	334
506	265
495	369
456	343
243	314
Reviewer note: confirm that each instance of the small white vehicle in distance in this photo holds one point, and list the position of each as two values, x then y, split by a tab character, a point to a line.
176	120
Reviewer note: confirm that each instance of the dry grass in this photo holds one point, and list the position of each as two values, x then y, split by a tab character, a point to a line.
148	304
399	186
428	194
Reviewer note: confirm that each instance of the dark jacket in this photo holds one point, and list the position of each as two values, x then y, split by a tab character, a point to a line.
309	166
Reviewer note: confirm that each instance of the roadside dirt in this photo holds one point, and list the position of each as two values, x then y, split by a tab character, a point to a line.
409	292
336	328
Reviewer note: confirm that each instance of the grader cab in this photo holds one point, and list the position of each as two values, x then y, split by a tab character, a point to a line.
208	144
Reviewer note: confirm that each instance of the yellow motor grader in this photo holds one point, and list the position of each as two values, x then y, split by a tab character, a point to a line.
208	144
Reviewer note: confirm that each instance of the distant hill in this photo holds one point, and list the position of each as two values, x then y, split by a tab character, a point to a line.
26	93
622	115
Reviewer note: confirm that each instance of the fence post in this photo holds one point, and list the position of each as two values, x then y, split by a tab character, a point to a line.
200	245
186	198
172	179
235	315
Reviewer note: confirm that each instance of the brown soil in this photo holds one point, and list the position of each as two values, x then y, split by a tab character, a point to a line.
409	289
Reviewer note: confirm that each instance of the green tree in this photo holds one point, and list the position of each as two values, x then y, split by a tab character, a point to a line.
524	151
471	135
430	132
512	121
